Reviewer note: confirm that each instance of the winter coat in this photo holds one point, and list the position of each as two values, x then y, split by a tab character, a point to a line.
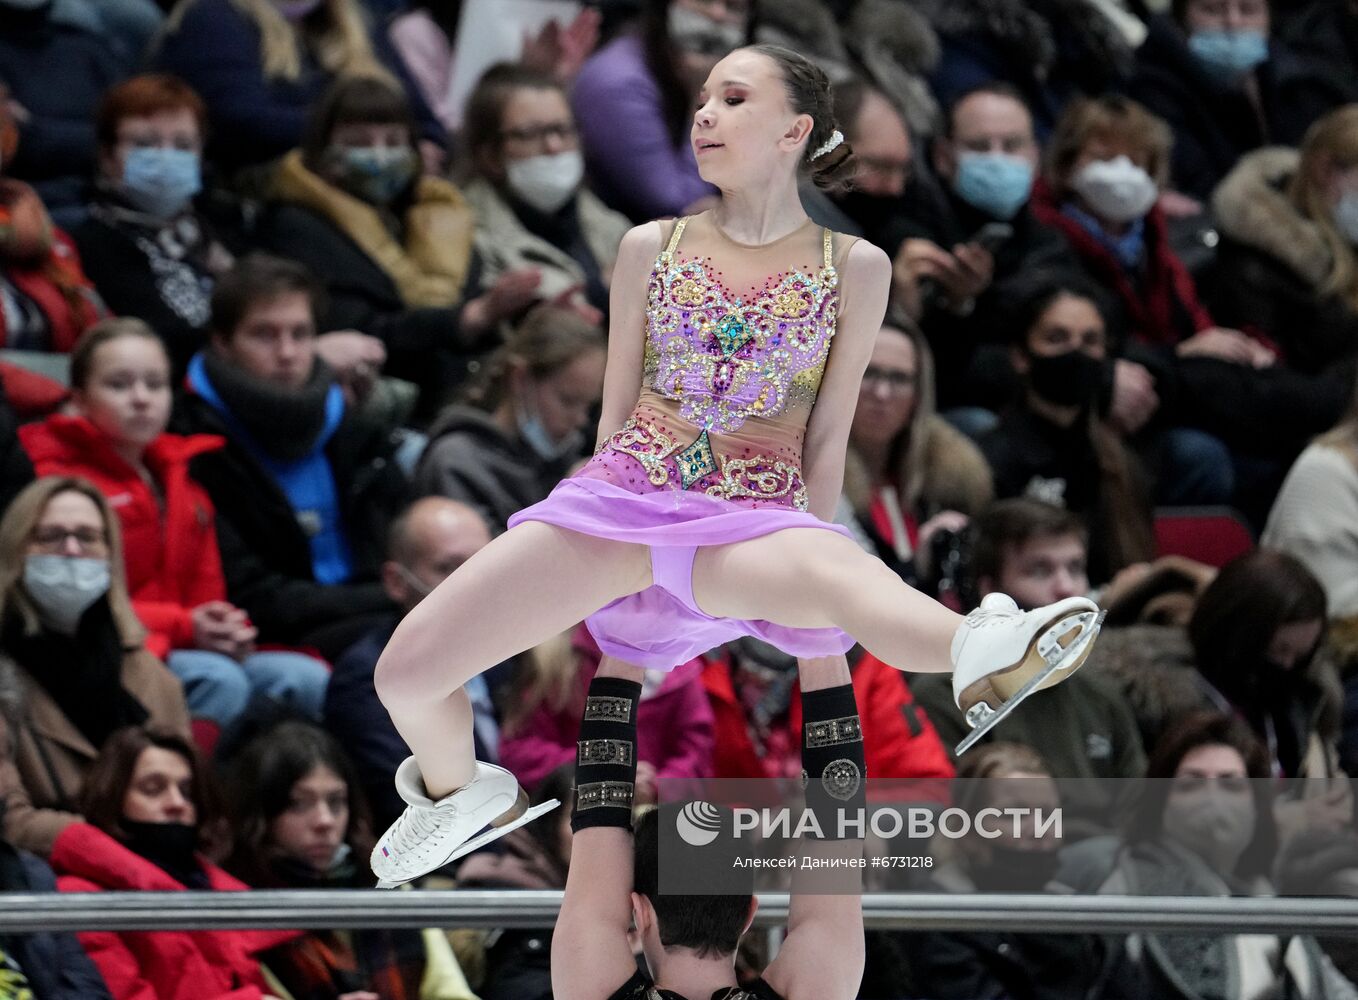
39	788
639	170
1271	265
169	535
16	470
159	965
253	119
1214	122
64	317
1324	39
674	725
58	73
505	243
470	458
266	557
53	962
898	739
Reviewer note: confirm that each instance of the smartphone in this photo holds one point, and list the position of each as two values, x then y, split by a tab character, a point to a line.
992	236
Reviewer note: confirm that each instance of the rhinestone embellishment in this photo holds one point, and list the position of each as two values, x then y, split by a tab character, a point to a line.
696	461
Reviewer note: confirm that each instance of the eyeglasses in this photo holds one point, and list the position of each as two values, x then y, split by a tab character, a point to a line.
563	132
896	383
53	538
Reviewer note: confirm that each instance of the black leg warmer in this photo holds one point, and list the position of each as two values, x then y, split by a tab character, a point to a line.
606	756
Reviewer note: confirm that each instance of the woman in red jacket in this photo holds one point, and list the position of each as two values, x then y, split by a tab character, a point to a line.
120	382
146	805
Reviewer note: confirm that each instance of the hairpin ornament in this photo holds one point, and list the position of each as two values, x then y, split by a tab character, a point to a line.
832	143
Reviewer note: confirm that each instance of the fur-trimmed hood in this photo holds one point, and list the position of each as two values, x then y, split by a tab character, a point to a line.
1252	207
954	476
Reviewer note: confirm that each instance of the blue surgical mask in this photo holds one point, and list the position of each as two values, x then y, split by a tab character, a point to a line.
535	434
161	182
375	174
996	183
1230	53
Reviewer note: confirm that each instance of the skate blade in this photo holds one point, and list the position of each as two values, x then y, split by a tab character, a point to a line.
490	834
1072	658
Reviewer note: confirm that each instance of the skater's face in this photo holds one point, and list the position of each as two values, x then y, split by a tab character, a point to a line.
312	826
744	130
275	340
1044	570
888	392
127	392
161	789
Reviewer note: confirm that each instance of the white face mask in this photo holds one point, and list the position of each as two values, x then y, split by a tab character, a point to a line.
63	588
1116	190
548	181
1346	216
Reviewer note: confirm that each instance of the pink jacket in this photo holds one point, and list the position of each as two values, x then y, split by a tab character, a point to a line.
675	729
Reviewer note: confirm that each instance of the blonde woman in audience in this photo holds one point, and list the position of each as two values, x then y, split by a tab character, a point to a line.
67	622
260	65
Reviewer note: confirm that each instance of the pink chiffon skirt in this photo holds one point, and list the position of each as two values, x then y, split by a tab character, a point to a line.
661	626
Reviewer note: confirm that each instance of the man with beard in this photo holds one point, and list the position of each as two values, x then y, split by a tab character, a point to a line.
305	488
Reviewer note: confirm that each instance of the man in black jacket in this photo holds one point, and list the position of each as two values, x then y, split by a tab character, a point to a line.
305	487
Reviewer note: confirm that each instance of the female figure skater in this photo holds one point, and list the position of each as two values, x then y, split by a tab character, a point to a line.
704	515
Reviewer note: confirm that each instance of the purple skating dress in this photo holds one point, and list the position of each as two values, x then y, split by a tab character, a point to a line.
712	452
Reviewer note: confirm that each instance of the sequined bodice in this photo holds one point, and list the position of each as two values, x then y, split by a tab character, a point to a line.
728	358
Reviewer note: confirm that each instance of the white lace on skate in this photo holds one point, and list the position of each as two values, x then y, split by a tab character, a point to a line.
414	829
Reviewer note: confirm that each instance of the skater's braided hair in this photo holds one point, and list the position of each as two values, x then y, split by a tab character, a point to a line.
809	93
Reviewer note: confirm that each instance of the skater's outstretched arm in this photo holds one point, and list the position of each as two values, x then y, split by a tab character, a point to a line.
864	285
627	326
591	956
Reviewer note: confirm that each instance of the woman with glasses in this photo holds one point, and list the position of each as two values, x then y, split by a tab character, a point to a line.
532	209
120	381
394	247
67	622
908	474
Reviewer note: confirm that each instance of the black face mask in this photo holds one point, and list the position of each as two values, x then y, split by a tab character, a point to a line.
168	846
1069	379
1012	870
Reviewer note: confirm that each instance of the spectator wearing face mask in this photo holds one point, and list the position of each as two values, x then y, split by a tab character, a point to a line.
1255	632
965	965
1204	827
262	65
523	425
885	153
532	210
634	102
1052	443
55	72
46	300
431	538
1216	75
1287	264
67	623
146	245
394	248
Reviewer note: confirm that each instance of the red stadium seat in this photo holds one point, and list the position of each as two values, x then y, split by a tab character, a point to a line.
1211	535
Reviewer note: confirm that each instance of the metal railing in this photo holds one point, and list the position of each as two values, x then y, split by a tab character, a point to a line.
360	908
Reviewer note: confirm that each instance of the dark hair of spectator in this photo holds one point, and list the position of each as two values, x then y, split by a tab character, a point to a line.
105	788
663	61
1330	145
1184	735
144	96
356	100
995	88
809	93
547	340
104	332
485	111
1010	524
257	278
1118	121
710	925
1237	615
260	787
1034	293
16	529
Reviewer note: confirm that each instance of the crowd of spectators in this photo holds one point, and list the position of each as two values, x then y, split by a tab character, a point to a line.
295	312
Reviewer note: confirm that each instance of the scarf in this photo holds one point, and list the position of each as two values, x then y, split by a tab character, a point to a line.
171	847
430	267
28	243
283	423
82	673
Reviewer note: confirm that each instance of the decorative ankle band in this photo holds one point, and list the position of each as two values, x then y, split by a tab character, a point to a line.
833	762
606	755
